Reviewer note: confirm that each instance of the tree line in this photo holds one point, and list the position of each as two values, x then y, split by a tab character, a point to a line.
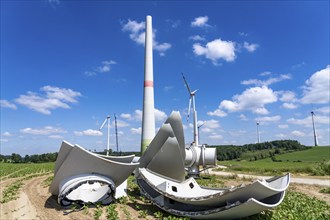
35	158
257	151
224	152
51	157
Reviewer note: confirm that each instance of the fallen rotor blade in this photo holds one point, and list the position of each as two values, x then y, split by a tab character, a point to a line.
229	211
80	161
189	191
86	188
168	161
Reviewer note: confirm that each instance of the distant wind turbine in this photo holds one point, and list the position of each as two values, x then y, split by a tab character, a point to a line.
192	102
108	144
314	131
258	134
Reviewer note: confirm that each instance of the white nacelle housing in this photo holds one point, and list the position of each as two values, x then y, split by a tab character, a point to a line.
199	156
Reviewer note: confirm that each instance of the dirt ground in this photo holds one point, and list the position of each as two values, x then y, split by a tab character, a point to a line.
35	202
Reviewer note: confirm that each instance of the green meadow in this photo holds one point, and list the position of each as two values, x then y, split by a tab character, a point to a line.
313	161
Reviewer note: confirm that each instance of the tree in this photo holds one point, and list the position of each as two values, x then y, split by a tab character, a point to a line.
16	158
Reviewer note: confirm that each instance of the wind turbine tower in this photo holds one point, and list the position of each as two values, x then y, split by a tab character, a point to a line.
108	144
148	115
258	134
192	102
314	131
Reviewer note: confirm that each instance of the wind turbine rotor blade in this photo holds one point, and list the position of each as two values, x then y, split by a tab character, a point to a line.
185	81
103	123
193	93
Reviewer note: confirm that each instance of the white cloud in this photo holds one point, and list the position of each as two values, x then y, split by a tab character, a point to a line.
289	105
250	47
137	115
298	65
298	133
197	38
238	133
136	130
168	88
267	82
54	3
319	119
88	132
66	95
287	96
217	112
324	110
280	135
243	117
269	119
53	98
4	140
289	99
90	73
174	24
266	73
209	125
244	34
55	136
6	134
126	116
216	50
120	123
47	130
161	48
200	22
105	67
283	126
216	137
135	29
316	89
160	115
252	99
7	104
137	34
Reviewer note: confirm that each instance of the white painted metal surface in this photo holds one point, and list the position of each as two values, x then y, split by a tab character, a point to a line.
163	143
108	132
161	179
190	192
164	154
121	159
148	115
86	188
78	171
238	209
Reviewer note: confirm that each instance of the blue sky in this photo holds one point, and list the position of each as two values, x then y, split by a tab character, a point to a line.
66	65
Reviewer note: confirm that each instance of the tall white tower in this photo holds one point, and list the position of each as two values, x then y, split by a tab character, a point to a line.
148	117
314	131
258	134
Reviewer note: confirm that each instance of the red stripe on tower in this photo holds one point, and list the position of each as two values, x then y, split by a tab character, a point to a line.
148	83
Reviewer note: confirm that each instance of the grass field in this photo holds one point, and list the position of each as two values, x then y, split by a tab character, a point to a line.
10	170
308	161
315	154
296	205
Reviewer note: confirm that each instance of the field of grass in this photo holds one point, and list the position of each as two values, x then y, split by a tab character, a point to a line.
315	154
295	205
314	161
10	170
